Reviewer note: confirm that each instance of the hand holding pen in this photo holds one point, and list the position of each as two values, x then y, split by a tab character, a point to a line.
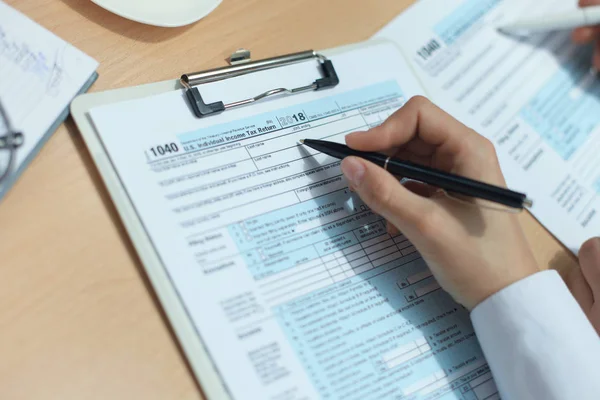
585	20
445	181
589	34
473	252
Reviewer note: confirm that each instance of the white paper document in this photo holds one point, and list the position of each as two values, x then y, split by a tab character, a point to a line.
536	98
292	283
39	76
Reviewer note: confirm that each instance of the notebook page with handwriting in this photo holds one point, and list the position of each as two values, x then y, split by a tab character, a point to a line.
39	76
536	98
293	284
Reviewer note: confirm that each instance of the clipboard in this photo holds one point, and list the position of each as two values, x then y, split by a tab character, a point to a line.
197	354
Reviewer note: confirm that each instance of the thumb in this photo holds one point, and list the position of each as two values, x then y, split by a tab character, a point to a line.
589	259
382	192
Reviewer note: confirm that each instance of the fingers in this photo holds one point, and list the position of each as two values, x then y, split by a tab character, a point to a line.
422	189
589	260
418	188
418	117
584	35
588	3
422	129
589	33
384	194
580	289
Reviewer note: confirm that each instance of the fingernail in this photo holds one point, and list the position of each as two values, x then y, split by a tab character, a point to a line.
353	170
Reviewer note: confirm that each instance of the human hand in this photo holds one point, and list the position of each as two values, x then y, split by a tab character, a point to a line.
589	33
473	252
584	282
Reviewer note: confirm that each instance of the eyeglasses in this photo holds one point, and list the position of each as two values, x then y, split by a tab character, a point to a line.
9	142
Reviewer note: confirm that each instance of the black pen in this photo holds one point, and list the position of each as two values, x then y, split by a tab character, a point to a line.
449	182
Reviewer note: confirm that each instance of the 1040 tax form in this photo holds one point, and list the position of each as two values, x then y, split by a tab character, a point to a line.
536	98
293	285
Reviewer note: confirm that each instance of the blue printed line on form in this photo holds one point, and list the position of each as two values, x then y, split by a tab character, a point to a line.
463	18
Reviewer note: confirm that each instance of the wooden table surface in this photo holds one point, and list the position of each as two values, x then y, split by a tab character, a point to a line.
78	318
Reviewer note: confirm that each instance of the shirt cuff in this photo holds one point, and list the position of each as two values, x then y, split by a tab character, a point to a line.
537	340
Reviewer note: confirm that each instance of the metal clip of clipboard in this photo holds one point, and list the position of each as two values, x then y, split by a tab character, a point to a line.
201	109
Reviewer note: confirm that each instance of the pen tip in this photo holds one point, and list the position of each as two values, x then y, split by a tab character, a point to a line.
528	202
513	31
301	141
504	30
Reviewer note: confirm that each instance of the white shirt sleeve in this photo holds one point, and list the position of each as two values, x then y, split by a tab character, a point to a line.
538	342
